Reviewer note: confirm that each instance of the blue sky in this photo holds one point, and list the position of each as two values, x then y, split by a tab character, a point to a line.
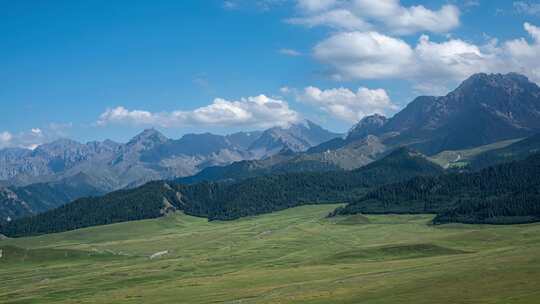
92	70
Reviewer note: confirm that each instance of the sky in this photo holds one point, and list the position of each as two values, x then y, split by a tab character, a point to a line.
92	70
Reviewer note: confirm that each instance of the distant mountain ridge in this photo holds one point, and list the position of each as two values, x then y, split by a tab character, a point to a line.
297	138
150	155
482	110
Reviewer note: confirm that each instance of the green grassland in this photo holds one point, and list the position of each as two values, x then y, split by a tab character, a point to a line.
293	256
460	158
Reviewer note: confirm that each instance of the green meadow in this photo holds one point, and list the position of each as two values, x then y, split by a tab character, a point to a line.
293	256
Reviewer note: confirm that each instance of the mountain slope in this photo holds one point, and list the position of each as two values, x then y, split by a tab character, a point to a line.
150	201
507	193
348	156
460	159
226	201
516	151
497	107
276	192
296	137
368	125
18	202
484	109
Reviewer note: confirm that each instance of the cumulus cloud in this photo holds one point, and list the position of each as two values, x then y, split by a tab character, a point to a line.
258	111
34	137
365	55
429	64
522	56
347	105
452	59
407	20
386	14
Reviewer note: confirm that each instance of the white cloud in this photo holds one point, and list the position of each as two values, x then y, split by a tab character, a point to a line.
347	105
522	56
365	55
534	31
385	14
259	111
430	65
5	138
290	52
527	7
34	137
408	20
452	59
338	18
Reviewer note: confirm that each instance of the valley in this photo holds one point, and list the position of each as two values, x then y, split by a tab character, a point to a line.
409	209
270	152
292	256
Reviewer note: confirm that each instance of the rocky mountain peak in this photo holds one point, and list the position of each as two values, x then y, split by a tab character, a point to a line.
296	137
147	139
508	84
366	126
59	147
484	109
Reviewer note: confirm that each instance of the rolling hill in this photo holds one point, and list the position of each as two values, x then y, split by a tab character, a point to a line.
292	256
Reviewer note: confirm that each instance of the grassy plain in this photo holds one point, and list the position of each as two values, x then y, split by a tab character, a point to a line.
293	256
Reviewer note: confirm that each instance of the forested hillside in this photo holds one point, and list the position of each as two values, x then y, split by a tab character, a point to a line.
18	202
516	151
507	193
225	200
149	201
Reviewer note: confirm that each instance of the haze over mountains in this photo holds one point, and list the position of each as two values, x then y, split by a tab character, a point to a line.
100	167
150	155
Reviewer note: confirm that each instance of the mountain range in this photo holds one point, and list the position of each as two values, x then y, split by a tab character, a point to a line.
482	111
150	155
108	166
